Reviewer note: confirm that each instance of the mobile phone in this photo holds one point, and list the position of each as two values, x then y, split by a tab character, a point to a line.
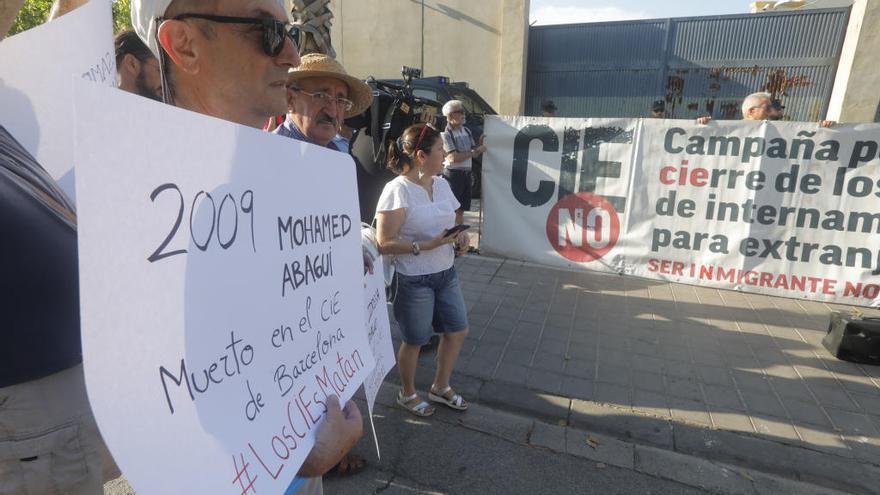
455	230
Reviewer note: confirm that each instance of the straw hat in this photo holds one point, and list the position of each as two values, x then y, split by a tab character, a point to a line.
320	65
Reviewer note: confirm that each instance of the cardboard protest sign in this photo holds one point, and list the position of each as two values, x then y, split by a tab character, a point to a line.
379	331
787	209
221	292
36	94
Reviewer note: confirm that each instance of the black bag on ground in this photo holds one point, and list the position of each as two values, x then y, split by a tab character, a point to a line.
853	338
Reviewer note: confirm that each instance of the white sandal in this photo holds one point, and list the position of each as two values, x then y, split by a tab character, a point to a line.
456	401
422	409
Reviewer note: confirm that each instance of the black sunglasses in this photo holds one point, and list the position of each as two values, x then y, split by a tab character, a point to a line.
275	32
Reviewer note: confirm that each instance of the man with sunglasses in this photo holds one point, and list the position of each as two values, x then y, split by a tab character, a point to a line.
230	59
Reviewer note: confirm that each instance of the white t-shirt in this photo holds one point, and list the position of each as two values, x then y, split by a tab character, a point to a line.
425	220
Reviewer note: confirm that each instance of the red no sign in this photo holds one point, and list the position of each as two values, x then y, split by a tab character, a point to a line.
583	227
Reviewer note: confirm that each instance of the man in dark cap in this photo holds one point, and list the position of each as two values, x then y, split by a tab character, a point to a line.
658	109
548	108
777	110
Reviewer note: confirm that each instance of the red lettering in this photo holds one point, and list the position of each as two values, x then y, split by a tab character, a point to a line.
678	268
683	176
664	175
290	423
266	468
829	287
699	176
306	405
653	265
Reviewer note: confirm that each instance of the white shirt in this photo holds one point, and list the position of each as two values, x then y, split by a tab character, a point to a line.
425	220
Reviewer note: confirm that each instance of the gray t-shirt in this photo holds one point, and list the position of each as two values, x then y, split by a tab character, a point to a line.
458	140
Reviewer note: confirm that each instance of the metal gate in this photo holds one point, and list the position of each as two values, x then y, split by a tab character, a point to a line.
698	65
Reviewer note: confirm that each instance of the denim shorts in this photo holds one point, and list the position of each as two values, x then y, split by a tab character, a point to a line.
425	299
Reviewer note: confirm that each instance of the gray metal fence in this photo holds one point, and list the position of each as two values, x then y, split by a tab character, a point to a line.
698	65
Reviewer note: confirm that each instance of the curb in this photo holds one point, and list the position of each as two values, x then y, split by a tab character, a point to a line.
712	476
719	452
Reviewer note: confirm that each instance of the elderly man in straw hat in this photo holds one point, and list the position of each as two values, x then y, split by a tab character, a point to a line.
320	94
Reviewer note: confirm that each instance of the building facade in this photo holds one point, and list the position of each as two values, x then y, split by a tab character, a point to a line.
482	42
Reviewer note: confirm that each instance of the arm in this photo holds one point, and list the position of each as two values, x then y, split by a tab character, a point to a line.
8	11
460	156
61	7
388	224
456	157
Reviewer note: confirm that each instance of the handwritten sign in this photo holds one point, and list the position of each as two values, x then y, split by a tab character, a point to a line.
36	94
379	332
221	292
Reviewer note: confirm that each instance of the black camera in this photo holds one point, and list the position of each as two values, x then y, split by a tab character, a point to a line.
410	73
394	108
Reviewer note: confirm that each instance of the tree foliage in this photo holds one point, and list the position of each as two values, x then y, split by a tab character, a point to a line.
35	12
32	13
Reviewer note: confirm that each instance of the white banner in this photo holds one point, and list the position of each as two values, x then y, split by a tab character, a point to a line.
787	209
221	280
36	94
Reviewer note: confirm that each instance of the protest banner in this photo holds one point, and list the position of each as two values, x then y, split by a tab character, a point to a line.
787	209
222	299
36	95
379	332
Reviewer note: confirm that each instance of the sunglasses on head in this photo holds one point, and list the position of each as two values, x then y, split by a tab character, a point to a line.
275	32
421	137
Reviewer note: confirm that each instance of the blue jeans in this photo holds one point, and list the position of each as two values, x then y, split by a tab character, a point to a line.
422	299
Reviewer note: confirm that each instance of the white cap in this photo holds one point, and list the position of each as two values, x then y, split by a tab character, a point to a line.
143	18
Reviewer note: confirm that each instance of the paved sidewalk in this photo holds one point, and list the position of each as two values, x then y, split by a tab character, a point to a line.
721	375
488	451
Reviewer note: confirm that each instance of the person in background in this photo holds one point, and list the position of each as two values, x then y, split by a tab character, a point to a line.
759	106
137	69
342	141
318	92
414	213
658	109
460	148
777	110
548	108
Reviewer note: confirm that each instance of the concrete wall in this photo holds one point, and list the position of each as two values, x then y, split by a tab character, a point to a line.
856	94
483	42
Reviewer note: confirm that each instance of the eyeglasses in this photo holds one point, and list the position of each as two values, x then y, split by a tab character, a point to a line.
327	99
275	32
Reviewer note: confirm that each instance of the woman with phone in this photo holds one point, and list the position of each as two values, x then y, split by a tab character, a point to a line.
415	221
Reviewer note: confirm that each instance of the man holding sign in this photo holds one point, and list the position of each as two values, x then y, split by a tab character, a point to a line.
229	59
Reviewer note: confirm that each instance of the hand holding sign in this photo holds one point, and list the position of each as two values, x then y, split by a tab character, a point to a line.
342	428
